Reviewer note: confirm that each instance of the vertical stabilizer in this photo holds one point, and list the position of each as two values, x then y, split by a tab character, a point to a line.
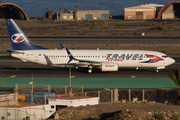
18	39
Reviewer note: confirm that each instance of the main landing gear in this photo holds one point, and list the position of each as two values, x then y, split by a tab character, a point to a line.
157	70
89	69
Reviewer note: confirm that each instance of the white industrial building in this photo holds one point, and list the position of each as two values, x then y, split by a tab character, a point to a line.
74	101
31	111
26	111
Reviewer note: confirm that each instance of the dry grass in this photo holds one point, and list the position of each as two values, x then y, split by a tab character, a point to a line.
100	27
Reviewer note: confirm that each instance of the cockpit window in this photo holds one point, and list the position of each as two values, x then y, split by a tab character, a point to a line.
164	56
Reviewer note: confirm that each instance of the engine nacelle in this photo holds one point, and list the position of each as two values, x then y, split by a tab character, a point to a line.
109	67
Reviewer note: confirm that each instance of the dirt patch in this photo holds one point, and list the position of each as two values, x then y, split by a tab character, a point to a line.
121	111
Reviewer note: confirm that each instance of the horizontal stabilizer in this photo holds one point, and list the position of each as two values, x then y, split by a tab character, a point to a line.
14	51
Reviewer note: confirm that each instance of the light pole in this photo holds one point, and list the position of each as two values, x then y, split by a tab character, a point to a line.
69	76
32	89
70	88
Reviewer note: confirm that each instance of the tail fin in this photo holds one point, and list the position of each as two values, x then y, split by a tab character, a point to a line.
18	39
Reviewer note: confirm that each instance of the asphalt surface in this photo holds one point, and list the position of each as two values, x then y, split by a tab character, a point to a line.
100	39
10	67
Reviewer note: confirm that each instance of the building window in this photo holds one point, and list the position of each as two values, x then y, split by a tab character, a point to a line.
104	16
52	106
88	16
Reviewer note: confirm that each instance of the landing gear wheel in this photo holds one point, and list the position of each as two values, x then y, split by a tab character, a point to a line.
89	70
157	70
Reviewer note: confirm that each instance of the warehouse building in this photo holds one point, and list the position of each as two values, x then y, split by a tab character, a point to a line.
147	11
83	15
170	10
93	14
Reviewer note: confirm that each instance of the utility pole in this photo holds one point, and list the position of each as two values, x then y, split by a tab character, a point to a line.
70	88
32	90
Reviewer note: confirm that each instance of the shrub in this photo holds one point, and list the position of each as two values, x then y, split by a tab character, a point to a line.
136	33
174	117
96	118
159	28
159	116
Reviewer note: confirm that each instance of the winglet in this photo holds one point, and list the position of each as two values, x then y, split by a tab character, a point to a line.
70	56
62	46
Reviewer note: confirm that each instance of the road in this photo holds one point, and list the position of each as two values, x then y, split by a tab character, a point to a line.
14	67
100	39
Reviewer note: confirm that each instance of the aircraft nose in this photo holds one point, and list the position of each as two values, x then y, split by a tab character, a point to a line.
171	61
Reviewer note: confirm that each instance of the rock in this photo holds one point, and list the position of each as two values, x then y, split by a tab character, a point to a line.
56	116
123	101
144	101
166	102
152	102
150	113
133	101
137	101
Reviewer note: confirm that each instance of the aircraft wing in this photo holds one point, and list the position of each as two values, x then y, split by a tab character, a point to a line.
80	64
87	62
81	61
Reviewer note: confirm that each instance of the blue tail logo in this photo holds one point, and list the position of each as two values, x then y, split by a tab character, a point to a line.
18	39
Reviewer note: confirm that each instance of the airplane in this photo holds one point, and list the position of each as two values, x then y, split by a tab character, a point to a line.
106	60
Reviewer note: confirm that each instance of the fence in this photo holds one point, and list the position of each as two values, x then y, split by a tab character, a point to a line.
42	112
30	91
157	95
113	95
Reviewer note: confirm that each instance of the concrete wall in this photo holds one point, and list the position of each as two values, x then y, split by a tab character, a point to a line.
168	13
149	14
128	15
95	13
66	16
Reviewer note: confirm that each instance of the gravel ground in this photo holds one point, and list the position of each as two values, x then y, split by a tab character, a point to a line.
121	111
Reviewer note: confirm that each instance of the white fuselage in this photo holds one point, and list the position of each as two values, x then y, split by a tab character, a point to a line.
124	58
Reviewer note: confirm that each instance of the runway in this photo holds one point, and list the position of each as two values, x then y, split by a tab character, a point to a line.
100	39
12	67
